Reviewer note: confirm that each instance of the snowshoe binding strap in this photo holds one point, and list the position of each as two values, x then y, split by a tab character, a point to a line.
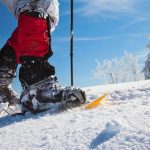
40	94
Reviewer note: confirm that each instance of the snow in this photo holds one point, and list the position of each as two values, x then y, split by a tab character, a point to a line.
4	106
121	122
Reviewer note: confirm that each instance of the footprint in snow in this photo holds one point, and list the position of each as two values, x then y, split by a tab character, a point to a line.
111	129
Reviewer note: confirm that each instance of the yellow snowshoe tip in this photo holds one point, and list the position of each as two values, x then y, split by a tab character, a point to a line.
96	102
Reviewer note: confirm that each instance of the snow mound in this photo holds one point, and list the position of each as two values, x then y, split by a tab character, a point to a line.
121	122
113	127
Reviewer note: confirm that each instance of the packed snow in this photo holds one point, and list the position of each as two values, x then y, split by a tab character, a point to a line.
121	122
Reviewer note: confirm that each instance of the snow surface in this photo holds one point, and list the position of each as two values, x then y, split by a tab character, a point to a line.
3	106
121	122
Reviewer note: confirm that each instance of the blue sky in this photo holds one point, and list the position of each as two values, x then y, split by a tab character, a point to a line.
103	29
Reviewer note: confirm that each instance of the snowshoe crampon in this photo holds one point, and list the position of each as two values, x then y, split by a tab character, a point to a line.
72	97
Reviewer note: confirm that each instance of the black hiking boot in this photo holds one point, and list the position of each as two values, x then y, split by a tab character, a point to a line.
39	83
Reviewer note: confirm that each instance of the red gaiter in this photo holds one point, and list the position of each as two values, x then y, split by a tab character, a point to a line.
31	37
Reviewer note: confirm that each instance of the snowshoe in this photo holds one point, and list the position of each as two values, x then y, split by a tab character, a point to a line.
45	94
8	99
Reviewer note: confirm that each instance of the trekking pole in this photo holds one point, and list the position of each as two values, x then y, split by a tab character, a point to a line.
71	41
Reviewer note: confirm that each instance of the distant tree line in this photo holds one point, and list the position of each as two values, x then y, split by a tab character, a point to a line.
122	69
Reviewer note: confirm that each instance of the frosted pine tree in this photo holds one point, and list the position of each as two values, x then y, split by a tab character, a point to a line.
146	69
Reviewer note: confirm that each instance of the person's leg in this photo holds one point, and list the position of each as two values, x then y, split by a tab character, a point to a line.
33	51
34	48
40	88
7	73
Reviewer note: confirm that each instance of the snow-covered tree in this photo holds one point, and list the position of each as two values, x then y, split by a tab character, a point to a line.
118	70
146	69
132	65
